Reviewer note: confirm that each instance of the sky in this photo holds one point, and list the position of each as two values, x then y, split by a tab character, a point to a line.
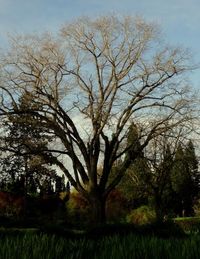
178	19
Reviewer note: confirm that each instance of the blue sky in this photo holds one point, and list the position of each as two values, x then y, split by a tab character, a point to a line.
178	19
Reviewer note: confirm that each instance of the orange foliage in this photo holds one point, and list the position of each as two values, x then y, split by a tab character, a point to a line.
115	205
78	206
11	204
15	205
78	201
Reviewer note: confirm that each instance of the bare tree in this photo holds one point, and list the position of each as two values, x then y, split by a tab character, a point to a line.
89	85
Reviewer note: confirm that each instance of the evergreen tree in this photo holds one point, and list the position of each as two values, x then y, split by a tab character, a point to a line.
161	186
131	186
185	179
192	165
148	179
25	140
60	184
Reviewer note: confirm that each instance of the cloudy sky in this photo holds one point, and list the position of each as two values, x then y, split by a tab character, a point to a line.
179	19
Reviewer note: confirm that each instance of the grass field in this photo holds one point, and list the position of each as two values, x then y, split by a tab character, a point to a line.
33	244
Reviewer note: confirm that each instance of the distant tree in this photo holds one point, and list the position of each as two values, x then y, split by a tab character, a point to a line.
22	142
60	184
161	184
148	179
185	179
193	167
131	186
47	188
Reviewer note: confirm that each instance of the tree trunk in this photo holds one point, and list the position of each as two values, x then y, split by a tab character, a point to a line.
159	214
158	209
98	210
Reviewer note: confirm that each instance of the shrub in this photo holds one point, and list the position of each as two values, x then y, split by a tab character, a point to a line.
115	206
141	216
77	209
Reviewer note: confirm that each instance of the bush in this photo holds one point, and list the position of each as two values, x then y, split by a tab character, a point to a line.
141	216
77	210
116	207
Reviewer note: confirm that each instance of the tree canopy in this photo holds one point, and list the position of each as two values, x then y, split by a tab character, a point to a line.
87	86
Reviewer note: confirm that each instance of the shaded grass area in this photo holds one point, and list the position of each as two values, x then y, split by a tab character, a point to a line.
176	239
163	231
108	241
163	240
32	245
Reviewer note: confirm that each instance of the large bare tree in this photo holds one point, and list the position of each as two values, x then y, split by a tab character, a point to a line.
88	86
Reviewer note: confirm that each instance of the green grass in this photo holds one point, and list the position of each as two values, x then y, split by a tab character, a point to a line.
31	245
188	224
186	219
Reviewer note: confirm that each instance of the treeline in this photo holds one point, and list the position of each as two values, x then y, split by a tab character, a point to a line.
165	177
167	180
163	183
